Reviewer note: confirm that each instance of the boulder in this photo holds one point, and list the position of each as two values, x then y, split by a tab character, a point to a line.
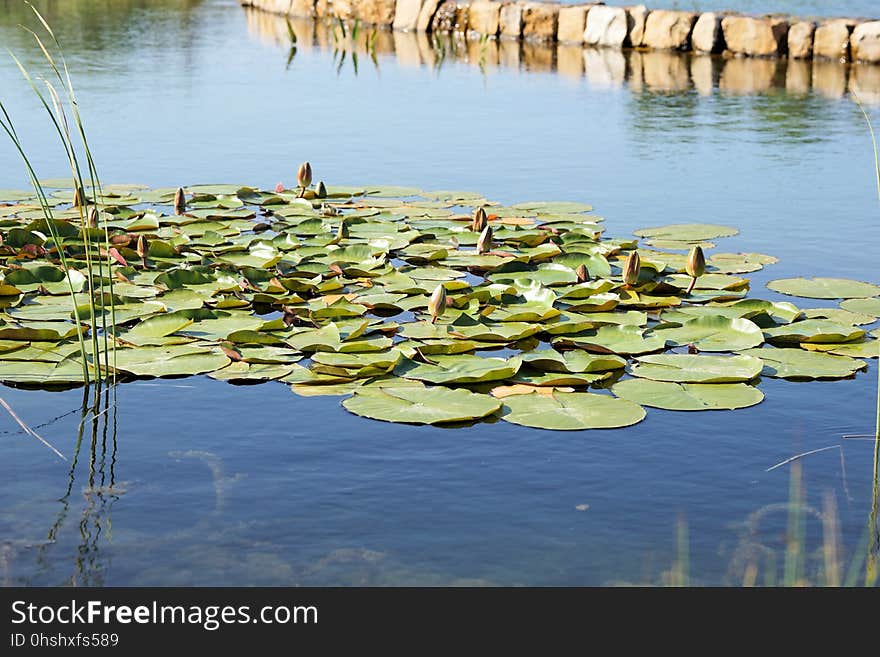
669	30
572	23
343	9
635	25
540	21
426	15
865	42
707	35
511	21
301	8
831	39
757	37
406	14
800	40
606	26
483	17
450	17
375	12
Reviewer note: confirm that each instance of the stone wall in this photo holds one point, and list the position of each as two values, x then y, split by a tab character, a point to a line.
595	24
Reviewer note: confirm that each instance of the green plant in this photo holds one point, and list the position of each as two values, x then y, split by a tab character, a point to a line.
85	177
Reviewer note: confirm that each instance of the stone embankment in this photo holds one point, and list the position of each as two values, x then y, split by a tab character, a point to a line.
597	24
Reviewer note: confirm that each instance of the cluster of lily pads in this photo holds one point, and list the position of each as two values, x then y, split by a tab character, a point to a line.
418	307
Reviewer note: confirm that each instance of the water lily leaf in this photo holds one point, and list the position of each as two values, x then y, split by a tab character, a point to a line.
800	364
571	411
242	371
824	288
687	232
739	263
688	396
866	349
38	331
814	330
688	368
575	361
330	389
41	373
183	360
617	339
459	368
862	306
414	405
839	315
157	326
557	379
713	333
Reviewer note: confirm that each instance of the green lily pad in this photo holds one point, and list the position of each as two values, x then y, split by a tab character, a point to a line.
571	411
689	368
688	396
460	368
713	333
624	339
814	330
687	232
824	288
417	405
800	364
863	306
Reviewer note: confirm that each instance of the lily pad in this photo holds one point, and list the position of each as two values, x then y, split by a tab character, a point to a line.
460	368
688	368
713	333
417	405
800	364
571	411
824	288
688	396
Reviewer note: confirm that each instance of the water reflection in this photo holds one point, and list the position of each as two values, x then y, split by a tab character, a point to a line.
97	433
655	71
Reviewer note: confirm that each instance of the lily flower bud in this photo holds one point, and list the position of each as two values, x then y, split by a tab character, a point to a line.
93	217
695	266
484	244
179	201
480	220
632	269
582	274
437	303
304	175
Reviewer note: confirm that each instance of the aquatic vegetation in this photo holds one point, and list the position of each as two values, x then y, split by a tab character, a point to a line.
416	306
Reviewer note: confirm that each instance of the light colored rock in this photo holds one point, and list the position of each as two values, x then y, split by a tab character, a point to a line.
800	40
606	26
758	37
301	8
540	21
707	35
865	42
406	14
635	25
572	23
343	9
511	21
484	17
375	12
831	39
426	15
323	8
669	30
450	17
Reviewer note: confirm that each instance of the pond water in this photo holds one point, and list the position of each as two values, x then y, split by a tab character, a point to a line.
196	482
